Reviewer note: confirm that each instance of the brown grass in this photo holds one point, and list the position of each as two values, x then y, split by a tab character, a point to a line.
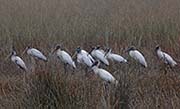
114	23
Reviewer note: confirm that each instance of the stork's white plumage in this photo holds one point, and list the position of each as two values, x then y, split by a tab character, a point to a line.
89	55
18	61
167	59
103	74
36	53
64	56
135	54
99	55
83	57
115	57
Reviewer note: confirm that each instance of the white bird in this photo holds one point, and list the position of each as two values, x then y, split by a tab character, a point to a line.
35	53
89	55
84	58
166	58
98	47
114	57
103	74
18	61
99	55
64	57
135	54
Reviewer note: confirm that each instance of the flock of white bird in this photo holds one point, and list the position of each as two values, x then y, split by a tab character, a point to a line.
91	59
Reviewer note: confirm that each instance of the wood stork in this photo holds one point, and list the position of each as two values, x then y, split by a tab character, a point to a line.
99	55
35	53
103	74
114	57
84	58
64	57
135	54
89	55
98	47
18	61
166	58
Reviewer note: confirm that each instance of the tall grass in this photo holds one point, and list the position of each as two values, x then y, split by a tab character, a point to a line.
114	23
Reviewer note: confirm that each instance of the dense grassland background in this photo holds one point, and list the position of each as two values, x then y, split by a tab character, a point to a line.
110	23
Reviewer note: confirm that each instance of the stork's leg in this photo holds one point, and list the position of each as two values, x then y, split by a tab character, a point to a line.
105	95
169	68
24	77
65	67
33	64
105	86
106	89
86	71
73	70
172	69
165	69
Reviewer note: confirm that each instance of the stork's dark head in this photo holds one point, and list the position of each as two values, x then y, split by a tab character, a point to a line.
78	49
95	64
98	47
57	47
92	48
29	46
157	48
13	53
132	48
13	48
26	49
108	50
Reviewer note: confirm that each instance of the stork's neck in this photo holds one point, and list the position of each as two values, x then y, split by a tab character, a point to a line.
59	50
13	53
95	68
28	50
12	57
79	52
108	53
159	50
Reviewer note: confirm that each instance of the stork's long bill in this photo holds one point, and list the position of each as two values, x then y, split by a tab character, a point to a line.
55	50
97	63
74	54
8	56
127	50
25	50
107	51
91	50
